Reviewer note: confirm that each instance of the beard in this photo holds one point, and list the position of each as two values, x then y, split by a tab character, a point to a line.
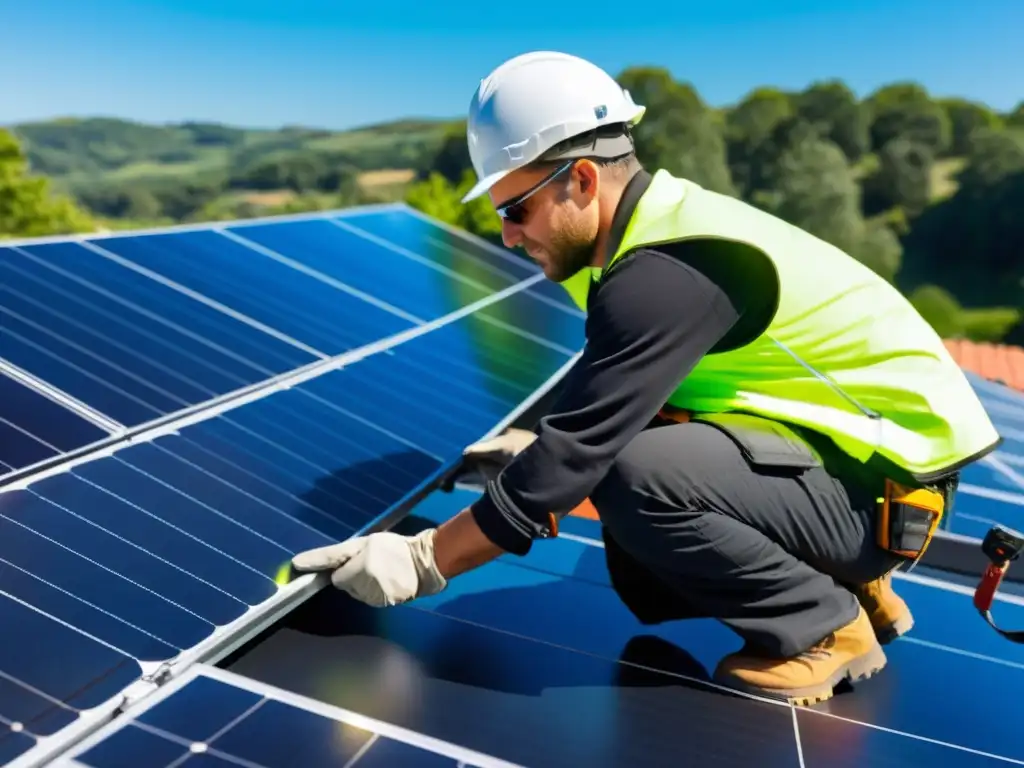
569	252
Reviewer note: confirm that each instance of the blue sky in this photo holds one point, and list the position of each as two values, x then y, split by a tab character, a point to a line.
343	63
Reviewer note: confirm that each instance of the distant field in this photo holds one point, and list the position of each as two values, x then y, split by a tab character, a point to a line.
269	199
944	172
100	151
386	177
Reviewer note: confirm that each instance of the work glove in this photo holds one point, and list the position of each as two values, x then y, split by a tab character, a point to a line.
489	457
381	569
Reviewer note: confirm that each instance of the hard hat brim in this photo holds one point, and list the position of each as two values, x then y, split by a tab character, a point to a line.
484	185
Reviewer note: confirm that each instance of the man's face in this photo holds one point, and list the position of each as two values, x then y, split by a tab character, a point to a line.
558	224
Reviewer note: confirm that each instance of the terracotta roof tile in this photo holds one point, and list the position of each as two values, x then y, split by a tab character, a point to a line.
996	362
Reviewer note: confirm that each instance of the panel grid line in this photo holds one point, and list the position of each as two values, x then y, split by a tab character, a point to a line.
411	255
796	734
159	677
723	689
107	340
61	397
283	218
203	411
317	275
220	348
201	298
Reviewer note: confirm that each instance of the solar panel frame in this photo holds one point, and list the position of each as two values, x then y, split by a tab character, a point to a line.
539	290
228	638
233	682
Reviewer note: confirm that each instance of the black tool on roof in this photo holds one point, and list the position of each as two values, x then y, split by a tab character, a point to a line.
1001	546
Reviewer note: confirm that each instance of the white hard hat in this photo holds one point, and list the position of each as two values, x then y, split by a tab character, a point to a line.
535	101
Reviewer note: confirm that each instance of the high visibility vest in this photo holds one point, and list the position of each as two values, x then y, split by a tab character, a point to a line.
845	354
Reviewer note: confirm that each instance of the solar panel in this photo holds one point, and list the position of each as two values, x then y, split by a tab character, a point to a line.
35	427
228	719
136	328
992	490
169	544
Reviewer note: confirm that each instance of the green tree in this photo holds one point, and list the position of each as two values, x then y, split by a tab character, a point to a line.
438	197
762	167
678	133
1016	117
952	321
879	249
903	178
812	187
906	110
840	117
747	126
971	244
27	206
991	157
965	117
452	159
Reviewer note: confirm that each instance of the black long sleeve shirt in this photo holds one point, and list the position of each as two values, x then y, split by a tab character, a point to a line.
650	320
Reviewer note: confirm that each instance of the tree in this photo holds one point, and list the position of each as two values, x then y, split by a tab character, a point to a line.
991	157
678	132
971	244
903	178
27	206
436	196
834	109
812	187
906	110
880	250
1016	117
452	159
965	117
747	126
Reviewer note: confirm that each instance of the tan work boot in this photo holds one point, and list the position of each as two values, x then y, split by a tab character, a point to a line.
889	615
850	653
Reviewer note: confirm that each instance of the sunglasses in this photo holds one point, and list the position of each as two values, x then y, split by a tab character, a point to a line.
514	210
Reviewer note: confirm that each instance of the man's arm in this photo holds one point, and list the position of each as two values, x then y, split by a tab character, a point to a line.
652	320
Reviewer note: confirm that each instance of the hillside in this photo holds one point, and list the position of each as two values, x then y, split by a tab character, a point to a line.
77	151
131	173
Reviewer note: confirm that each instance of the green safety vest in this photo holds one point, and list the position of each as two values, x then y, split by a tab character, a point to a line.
845	353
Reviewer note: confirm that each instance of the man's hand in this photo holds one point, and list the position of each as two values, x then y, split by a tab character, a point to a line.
489	457
381	569
385	569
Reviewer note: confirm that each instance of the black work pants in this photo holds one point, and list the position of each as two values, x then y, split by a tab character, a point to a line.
698	524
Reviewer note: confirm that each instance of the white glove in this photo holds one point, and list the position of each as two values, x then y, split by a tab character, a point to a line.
491	456
381	569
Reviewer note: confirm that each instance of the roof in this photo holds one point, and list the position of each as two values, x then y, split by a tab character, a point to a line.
1001	363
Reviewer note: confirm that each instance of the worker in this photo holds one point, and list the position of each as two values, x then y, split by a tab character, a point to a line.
765	428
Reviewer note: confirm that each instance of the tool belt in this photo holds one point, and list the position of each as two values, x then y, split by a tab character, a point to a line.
907	515
908	518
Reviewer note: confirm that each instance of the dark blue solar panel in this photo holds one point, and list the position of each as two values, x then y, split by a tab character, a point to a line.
185	357
149	551
440	389
222	721
112	370
34	428
315	312
992	489
454	249
152	549
365	265
68	671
